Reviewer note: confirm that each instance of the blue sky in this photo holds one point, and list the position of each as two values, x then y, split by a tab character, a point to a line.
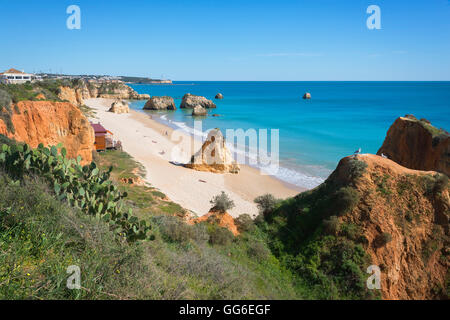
230	40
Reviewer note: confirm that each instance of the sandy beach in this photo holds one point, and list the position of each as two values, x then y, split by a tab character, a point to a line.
153	144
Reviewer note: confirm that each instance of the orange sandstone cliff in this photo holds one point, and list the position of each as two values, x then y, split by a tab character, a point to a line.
222	219
403	215
50	123
416	144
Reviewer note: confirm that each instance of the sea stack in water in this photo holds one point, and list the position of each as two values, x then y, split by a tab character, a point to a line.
199	111
190	101
307	96
214	155
219	96
160	103
119	106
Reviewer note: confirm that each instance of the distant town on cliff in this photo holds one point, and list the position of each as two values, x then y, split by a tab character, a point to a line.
20	76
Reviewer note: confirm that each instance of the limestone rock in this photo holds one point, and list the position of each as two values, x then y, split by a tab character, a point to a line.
81	90
50	123
214	155
199	111
190	101
416	144
119	106
160	103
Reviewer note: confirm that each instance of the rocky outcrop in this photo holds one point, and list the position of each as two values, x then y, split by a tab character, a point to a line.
40	96
160	103
402	217
416	144
119	106
190	101
219	96
72	95
82	90
214	155
50	123
307	96
222	219
199	111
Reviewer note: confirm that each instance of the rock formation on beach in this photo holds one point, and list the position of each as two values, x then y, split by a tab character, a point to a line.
223	219
307	95
119	106
160	103
416	144
219	96
189	101
403	220
214	155
199	111
50	123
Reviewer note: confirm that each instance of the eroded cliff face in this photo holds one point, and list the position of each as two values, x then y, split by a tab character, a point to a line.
50	123
93	89
403	216
416	144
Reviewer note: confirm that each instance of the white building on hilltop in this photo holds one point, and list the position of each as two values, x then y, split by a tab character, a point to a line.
13	76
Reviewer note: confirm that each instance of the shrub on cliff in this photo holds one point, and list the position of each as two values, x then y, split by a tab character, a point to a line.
244	223
5	99
5	109
175	229
222	202
357	168
258	250
331	225
219	235
266	204
345	199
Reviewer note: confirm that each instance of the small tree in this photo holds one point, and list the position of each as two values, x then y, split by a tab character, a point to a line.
244	222
222	202
266	204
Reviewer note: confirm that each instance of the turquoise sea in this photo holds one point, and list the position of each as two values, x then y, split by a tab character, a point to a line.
314	134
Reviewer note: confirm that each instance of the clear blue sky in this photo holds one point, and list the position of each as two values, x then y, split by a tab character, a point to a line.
230	40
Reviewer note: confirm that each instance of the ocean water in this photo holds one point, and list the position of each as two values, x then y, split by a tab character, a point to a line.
313	134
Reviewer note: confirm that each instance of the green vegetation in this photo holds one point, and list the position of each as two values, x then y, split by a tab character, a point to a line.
266	204
85	188
41	234
297	248
327	257
30	91
244	223
5	110
222	202
435	132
